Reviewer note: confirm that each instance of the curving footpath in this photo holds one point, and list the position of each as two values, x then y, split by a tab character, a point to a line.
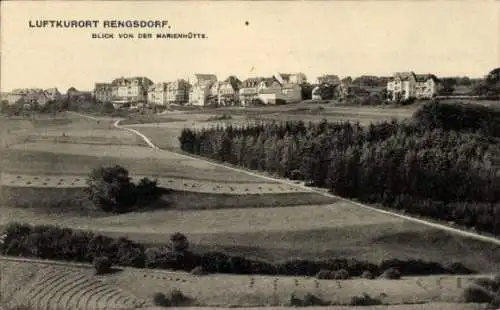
313	190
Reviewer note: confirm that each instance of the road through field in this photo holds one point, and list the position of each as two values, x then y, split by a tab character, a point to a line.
457	231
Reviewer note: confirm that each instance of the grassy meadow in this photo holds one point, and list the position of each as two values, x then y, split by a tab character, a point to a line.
234	213
51	286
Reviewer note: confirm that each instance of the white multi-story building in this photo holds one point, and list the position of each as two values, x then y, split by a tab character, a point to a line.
130	90
405	85
201	88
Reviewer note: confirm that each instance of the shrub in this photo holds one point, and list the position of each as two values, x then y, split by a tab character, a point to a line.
307	301
367	275
160	300
313	300
365	300
341	274
489	284
391	274
172	299
147	191
177	298
110	189
324	274
477	294
102	265
179	243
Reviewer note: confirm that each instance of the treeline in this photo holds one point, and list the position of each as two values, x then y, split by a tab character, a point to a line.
52	242
460	117
439	164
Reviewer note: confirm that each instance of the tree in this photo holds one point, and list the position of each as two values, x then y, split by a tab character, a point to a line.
179	243
306	90
447	86
110	189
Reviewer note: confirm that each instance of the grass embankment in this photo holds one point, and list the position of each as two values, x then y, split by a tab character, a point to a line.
74	201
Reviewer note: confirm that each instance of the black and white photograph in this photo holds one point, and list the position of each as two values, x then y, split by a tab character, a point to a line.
260	155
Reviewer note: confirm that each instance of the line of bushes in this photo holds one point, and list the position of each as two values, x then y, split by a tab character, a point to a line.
439	164
53	242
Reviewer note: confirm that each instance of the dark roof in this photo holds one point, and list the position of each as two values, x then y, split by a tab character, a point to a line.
403	76
425	77
234	81
269	81
140	79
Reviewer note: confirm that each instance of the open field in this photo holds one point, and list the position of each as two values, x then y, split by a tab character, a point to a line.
73	286
164	129
275	234
313	230
253	291
61	130
38	158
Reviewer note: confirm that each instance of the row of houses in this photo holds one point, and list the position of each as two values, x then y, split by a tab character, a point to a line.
202	90
33	95
206	89
401	86
42	96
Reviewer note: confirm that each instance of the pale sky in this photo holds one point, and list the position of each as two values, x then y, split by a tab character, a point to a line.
347	38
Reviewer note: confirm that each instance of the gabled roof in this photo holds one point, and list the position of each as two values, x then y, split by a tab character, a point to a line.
329	77
269	81
205	78
425	77
252	82
403	76
128	80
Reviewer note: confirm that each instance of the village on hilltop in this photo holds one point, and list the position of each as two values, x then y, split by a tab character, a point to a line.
208	90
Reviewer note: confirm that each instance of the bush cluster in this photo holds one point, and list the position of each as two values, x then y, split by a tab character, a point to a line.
483	290
365	300
111	189
102	265
174	298
52	242
398	164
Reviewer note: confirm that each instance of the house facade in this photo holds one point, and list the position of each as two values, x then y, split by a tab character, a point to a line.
130	90
271	90
201	88
406	85
177	92
226	93
291	78
249	90
157	94
103	92
33	96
